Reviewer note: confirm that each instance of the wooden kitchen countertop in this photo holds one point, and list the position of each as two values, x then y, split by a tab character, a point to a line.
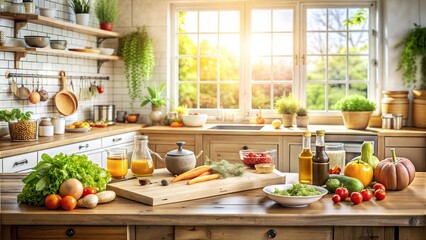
8	148
250	208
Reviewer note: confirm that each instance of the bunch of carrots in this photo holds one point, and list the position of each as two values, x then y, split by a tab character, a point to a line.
196	175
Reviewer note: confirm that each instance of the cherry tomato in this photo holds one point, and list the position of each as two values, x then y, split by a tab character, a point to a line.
356	198
380	194
342	192
378	186
366	195
336	198
89	190
68	203
52	201
100	89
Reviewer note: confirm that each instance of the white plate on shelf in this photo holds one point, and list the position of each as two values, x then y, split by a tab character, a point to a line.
77	130
293	201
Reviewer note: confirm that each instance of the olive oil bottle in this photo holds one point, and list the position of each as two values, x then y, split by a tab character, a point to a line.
305	160
320	161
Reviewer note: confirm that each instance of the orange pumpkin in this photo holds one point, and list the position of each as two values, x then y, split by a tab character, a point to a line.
395	173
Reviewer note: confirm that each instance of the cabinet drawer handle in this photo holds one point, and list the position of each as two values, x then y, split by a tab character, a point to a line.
70	232
25	161
83	146
271	233
245	147
116	139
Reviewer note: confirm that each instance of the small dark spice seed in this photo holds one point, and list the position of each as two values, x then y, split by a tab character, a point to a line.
144	181
164	182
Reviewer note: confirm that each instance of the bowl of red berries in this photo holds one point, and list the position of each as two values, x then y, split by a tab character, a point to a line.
251	157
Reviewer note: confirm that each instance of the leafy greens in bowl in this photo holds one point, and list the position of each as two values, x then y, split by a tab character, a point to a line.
294	195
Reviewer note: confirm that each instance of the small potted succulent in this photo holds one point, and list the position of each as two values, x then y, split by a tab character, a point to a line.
106	11
21	127
287	106
302	118
356	111
81	9
157	101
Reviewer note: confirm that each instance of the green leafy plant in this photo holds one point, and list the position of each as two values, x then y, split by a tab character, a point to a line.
414	46
106	11
287	104
301	112
355	103
15	114
80	6
182	109
154	96
138	56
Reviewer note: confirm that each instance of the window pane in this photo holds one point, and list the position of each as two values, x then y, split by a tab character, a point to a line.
282	44
229	69
283	68
358	89
316	43
282	20
358	42
208	44
260	96
280	90
188	22
188	69
208	69
337	68
229	44
261	44
188	95
317	19
208	96
187	44
358	67
336	17
229	21
261	20
229	96
315	69
358	19
335	92
337	42
315	94
261	68
209	21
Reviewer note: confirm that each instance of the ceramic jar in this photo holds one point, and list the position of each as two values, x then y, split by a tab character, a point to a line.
46	128
59	125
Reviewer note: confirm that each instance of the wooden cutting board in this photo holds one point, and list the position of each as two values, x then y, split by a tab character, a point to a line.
156	194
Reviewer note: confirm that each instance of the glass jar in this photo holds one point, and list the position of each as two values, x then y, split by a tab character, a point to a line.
117	163
59	125
46	128
29	6
141	163
17	7
336	154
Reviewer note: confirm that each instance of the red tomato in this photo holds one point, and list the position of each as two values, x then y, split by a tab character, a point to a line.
336	198
89	190
356	198
366	195
380	194
378	186
100	89
68	203
342	192
52	201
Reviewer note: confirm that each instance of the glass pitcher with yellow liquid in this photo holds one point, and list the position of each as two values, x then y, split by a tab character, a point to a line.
142	164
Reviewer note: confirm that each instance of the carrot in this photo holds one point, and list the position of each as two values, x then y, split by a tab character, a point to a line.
203	178
191	173
204	174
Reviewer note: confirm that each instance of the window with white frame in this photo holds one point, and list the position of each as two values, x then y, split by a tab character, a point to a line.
242	56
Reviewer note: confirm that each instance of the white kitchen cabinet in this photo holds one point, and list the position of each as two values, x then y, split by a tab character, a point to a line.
118	139
19	163
75	148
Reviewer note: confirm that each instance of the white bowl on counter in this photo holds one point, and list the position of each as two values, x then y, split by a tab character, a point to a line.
293	201
192	120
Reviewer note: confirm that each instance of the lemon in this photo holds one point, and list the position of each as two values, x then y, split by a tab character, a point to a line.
276	123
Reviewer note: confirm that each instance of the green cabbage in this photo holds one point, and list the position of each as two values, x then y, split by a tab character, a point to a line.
51	172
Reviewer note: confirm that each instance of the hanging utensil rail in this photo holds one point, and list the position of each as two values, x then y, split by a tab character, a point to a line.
29	75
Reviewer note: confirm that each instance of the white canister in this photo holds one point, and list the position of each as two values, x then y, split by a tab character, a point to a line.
45	127
59	124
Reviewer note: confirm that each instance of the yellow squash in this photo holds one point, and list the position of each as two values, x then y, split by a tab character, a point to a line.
360	170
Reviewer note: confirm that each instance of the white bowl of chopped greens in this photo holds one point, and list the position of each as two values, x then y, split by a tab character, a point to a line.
294	195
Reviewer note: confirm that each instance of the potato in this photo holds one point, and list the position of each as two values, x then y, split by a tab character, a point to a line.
71	187
89	201
106	196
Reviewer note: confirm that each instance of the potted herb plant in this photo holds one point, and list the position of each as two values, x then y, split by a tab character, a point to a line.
157	101
138	55
21	127
81	9
414	47
356	111
302	118
287	106
106	11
